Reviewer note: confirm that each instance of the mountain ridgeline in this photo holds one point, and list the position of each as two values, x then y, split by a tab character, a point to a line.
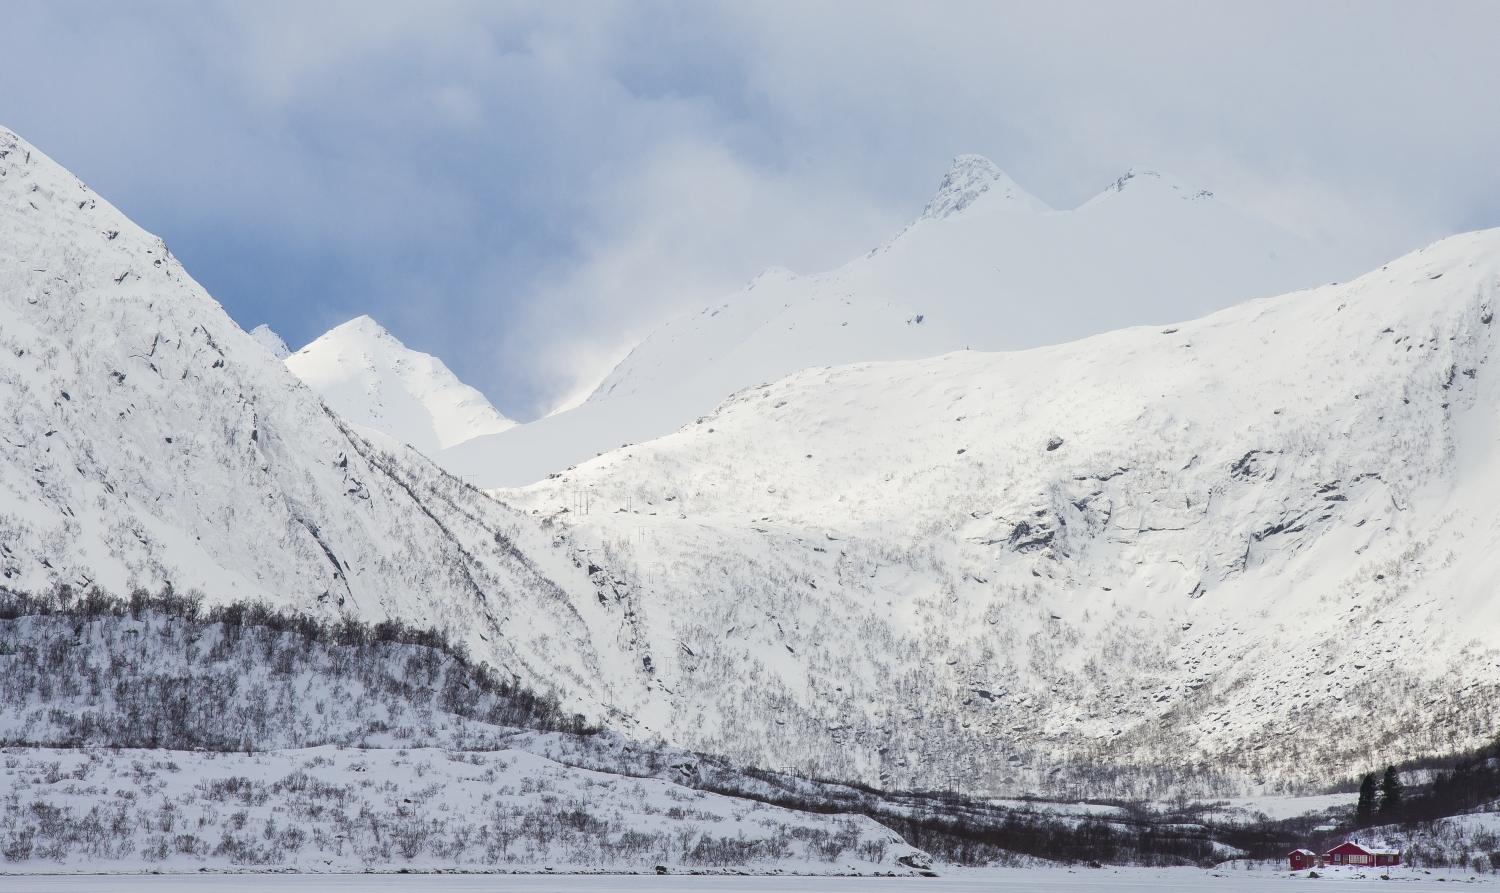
985	267
1246	552
368	377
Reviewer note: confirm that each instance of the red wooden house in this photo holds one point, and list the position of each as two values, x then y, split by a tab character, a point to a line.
1302	859
1350	853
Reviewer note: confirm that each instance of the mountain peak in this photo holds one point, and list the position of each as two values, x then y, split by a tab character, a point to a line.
270	341
970	178
367	376
364	325
1144	179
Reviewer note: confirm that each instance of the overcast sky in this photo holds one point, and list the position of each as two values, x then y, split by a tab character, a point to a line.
526	189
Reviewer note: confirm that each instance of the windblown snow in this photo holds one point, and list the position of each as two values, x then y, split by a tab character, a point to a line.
986	267
368	377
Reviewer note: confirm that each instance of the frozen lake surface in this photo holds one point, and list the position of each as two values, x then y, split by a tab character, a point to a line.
989	881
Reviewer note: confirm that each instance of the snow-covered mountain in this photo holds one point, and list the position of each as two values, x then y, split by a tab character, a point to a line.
271	341
367	376
986	267
147	441
1259	546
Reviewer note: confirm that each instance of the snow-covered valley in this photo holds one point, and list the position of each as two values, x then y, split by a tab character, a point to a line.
1247	555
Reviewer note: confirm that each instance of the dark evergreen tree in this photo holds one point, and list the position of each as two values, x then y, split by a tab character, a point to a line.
1364	811
1390	794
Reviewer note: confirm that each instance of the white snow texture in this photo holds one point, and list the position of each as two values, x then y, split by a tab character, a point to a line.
986	267
368	377
270	341
1261	543
146	440
1231	555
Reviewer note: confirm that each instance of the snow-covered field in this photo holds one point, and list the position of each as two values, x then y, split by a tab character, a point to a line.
339	809
1247	809
1061	880
196	744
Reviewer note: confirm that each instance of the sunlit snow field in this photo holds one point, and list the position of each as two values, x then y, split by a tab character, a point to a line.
977	881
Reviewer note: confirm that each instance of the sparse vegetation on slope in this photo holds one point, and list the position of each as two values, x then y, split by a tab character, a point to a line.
165	671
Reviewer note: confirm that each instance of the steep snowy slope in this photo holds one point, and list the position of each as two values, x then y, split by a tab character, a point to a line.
986	267
270	341
368	377
147	441
1259	547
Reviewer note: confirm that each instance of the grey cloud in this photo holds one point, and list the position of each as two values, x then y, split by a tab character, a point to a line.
522	189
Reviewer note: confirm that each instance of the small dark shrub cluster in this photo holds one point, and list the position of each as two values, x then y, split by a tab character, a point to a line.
965	832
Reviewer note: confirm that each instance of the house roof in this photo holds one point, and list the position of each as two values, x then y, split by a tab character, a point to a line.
1349	847
1303	852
